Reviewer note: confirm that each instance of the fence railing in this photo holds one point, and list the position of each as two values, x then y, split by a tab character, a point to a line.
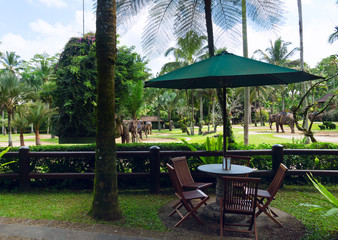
155	155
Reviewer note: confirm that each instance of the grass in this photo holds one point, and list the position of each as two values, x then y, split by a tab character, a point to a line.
257	135
140	209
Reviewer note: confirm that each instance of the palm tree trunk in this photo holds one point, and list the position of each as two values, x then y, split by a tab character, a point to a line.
105	197
301	50
246	89
10	142
169	116
208	21
201	116
159	112
37	137
213	111
3	128
192	124
22	141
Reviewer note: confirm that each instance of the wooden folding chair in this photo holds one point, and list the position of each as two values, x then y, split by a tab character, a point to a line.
264	197
184	176
186	198
235	202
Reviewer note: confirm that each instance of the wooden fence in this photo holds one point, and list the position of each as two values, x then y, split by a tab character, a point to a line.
155	154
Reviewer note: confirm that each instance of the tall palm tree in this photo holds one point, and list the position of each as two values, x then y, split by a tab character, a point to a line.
278	54
11	62
105	200
177	17
12	93
189	50
37	114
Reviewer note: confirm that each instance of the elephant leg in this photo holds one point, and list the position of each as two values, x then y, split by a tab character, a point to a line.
281	127
277	127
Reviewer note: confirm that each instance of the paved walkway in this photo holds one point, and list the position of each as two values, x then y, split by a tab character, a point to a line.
17	231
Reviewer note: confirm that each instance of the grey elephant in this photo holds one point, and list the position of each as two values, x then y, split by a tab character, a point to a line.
281	119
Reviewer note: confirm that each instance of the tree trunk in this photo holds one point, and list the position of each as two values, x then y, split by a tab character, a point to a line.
37	137
159	113
10	142
169	116
213	112
192	124
301	51
3	128
246	89
200	130
105	201
208	22
22	141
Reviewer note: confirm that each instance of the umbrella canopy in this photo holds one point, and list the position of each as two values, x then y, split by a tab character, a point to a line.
228	70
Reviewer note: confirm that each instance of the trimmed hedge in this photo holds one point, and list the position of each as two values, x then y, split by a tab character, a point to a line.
141	164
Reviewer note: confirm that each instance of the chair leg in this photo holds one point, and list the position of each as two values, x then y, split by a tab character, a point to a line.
175	207
264	210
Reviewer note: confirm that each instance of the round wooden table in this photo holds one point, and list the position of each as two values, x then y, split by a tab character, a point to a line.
212	210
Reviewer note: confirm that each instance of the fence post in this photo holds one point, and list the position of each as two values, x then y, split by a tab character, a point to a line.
24	180
154	169
277	156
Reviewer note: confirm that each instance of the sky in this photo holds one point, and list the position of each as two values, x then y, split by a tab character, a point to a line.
28	27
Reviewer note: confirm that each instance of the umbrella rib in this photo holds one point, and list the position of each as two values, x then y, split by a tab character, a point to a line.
276	79
187	84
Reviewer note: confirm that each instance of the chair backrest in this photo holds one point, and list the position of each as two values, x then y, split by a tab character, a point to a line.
174	180
182	170
277	180
240	160
240	194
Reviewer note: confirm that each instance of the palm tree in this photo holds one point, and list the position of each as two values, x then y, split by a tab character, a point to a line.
20	122
277	53
334	36
11	62
189	50
105	196
37	114
12	93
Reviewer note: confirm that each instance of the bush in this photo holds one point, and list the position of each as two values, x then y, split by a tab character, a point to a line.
141	164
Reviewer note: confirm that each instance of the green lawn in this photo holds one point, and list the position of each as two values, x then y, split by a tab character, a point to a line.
257	135
140	209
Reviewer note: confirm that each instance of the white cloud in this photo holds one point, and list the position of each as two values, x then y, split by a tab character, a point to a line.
54	3
42	27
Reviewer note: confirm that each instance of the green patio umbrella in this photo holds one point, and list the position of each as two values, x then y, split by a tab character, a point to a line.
227	70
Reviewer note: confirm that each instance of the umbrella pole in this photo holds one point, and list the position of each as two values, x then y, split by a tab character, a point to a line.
224	123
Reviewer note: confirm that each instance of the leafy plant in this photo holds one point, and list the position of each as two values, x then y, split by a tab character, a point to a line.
211	144
330	199
4	164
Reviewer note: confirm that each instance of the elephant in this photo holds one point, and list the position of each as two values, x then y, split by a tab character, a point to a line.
137	127
149	128
281	119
